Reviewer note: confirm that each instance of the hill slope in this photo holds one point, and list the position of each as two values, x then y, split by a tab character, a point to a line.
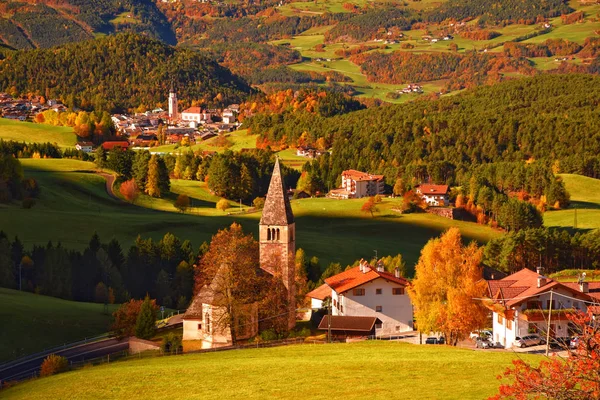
37	133
32	323
374	370
585	197
118	72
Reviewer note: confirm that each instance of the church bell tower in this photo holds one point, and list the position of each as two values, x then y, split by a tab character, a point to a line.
277	238
173	112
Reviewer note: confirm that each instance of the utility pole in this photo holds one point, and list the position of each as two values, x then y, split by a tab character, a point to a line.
548	330
329	322
375	251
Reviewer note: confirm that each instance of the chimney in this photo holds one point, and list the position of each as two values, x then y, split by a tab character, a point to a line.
541	281
583	287
397	272
379	266
539	270
361	265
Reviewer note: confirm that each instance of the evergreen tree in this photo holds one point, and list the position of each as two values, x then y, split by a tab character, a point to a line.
7	277
152	182
145	326
164	181
100	157
140	168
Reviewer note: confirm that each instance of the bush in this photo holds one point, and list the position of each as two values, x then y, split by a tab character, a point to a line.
54	364
171	344
259	203
223	205
269	334
28	203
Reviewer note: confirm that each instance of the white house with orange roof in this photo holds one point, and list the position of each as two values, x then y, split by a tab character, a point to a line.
434	195
357	184
521	305
365	291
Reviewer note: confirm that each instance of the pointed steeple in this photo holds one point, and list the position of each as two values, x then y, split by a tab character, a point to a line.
277	209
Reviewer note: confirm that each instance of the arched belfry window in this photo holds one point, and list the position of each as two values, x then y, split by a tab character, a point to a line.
268	234
277	233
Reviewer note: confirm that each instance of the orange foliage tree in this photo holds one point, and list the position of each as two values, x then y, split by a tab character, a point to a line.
129	190
125	317
370	206
448	277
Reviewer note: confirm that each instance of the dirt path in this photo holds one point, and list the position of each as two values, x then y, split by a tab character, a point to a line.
110	180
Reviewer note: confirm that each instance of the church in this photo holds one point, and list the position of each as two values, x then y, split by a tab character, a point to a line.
277	241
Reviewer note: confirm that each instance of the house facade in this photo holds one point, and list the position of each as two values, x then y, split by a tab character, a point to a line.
521	305
357	184
434	195
86	147
195	114
366	291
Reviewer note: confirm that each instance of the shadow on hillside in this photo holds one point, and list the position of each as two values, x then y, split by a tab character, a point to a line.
584	205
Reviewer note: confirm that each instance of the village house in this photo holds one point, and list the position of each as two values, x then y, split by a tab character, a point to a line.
521	304
357	184
86	147
434	195
277	240
111	145
195	114
367	291
229	116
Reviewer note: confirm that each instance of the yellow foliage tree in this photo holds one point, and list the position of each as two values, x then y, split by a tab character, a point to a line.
447	282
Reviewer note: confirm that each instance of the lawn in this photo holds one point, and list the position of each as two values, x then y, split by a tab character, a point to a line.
74	205
585	204
374	370
36	133
236	141
31	323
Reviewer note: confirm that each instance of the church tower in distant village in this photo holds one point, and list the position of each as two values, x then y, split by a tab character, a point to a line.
173	112
277	237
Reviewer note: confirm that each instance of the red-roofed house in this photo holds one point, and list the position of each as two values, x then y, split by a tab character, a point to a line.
434	195
365	291
195	114
521	304
357	184
121	144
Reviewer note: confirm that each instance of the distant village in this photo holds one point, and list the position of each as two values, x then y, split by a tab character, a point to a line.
190	126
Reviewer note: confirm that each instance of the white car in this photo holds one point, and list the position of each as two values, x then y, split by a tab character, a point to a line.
483	334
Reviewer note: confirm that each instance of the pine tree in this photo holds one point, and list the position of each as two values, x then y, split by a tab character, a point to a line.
164	181
152	185
145	326
100	157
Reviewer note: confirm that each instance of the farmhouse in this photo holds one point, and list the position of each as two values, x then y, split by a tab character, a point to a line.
357	184
366	291
277	240
434	195
195	114
122	144
521	304
86	147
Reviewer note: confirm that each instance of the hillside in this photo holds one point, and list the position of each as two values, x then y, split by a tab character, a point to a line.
32	323
24	25
332	230
429	372
118	72
585	204
36	133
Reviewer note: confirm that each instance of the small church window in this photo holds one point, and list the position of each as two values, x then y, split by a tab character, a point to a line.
207	322
277	233
268	234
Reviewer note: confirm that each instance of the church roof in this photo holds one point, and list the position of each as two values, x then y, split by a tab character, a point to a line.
277	209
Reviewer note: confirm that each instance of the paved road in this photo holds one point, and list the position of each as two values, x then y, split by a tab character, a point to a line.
84	352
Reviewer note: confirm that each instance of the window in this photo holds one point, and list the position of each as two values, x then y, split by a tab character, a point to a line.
509	324
397	291
377	291
358	292
277	233
378	325
341	309
334	302
268	234
199	327
207	322
378	308
499	318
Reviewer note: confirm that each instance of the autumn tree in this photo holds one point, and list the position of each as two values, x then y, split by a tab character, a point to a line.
229	269
129	190
125	317
152	187
223	205
182	203
145	325
448	277
575	377
370	206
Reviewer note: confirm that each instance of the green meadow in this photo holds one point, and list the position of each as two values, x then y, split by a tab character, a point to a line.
32	323
374	370
74	204
36	133
585	204
236	141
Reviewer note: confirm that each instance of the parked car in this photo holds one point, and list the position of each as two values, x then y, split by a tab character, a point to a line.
560	342
480	334
529	340
434	340
574	343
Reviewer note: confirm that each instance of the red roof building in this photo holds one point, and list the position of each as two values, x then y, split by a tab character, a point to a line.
357	184
434	195
121	144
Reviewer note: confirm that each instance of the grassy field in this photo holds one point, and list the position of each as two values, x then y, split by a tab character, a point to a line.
36	133
32	323
585	204
236	141
374	370
74	205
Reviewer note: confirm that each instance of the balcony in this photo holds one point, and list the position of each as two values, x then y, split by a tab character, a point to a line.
536	315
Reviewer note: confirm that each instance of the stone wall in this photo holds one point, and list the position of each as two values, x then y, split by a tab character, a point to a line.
451	212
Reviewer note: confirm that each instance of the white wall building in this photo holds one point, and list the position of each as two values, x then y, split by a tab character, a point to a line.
173	108
86	147
521	305
357	184
364	291
434	195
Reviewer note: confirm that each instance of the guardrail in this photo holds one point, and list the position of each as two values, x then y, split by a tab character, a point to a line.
52	350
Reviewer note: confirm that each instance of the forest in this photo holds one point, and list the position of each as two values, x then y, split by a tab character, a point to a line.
518	120
365	27
119	72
